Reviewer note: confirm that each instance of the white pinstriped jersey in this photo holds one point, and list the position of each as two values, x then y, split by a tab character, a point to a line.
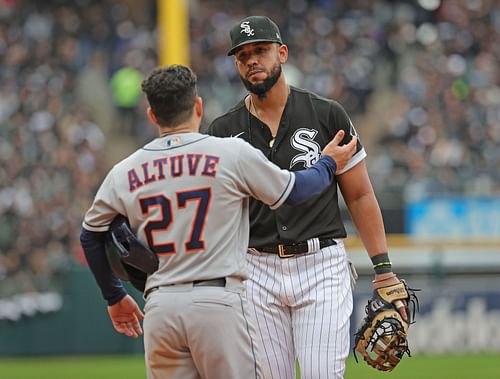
174	191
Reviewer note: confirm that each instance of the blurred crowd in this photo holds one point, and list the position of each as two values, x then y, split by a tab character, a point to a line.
419	78
59	102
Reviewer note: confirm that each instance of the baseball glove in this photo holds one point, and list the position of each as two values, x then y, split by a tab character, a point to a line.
382	338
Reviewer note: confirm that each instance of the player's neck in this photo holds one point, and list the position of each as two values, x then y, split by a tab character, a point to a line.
191	125
187	127
274	99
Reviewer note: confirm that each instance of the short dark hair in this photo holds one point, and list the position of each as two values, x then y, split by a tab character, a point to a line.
171	93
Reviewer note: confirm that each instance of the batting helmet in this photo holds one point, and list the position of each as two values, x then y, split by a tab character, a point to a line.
128	257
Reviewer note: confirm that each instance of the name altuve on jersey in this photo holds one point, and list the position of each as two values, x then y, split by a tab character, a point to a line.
173	167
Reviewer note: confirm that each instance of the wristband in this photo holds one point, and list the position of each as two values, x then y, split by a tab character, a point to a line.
381	263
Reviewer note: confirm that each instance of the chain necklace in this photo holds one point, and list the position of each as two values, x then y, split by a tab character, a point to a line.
252	105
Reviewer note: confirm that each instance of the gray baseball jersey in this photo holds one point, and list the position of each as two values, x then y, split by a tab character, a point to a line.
174	191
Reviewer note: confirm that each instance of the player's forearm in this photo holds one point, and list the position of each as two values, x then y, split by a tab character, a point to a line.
367	218
312	181
94	249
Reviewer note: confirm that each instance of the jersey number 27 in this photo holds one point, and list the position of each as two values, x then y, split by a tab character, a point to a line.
195	242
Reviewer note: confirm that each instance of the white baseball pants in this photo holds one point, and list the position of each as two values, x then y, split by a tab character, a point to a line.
302	307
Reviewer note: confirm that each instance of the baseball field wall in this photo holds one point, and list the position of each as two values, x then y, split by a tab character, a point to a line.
459	304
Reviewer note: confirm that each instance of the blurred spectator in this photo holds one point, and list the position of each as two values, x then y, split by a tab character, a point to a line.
126	92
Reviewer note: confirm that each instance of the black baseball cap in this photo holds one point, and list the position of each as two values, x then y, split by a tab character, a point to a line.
254	29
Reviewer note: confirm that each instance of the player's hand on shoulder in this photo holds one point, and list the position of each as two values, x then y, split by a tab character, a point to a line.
125	316
341	154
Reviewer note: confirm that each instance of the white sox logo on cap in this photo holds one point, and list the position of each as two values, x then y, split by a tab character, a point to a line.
245	28
253	29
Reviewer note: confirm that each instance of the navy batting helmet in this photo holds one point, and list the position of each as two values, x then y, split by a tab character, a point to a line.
128	257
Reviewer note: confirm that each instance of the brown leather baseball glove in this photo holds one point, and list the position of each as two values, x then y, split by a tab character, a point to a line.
382	338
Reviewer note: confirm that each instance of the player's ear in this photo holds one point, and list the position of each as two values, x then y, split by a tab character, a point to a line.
152	116
198	107
283	53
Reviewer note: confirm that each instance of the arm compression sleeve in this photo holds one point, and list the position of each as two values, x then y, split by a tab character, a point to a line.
312	181
94	248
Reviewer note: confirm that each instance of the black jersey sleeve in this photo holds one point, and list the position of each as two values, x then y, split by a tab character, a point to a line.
212	130
216	129
234	123
341	120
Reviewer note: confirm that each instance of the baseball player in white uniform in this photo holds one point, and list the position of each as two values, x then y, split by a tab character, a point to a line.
299	285
186	196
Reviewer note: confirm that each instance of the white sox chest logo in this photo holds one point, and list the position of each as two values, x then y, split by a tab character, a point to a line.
245	28
303	140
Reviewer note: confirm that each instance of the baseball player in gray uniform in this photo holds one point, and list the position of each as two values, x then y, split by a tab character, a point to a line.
186	195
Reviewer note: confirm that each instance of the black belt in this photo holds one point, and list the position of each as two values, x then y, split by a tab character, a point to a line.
289	250
217	282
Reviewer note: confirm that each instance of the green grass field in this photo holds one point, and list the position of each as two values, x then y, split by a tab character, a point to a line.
132	367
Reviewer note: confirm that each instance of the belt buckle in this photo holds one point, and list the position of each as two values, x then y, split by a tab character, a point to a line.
282	253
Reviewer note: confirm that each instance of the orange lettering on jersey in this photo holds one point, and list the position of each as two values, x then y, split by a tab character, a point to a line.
176	165
133	180
193	161
159	163
147	178
210	165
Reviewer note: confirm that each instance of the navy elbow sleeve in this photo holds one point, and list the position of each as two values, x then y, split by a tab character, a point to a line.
312	181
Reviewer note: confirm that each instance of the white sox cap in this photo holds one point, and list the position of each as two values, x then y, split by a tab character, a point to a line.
253	29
